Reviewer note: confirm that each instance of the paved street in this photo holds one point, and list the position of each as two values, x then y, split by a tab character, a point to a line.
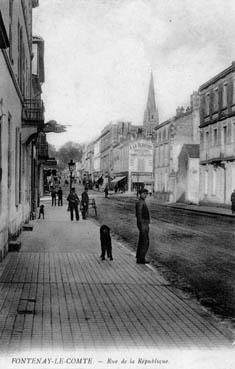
57	293
195	250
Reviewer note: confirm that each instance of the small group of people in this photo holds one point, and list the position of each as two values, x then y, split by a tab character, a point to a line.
74	202
56	194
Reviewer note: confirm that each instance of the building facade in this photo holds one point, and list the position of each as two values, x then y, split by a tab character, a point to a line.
217	138
21	118
170	136
133	164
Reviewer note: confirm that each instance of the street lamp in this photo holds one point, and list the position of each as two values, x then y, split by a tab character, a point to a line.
71	165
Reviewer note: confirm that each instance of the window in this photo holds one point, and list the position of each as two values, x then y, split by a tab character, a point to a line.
207	104
201	139
206	183
214	182
216	100
215	138
207	142
164	134
224	97
225	135
234	91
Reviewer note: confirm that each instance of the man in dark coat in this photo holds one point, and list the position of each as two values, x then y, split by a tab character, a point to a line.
60	196
233	202
53	196
73	203
84	203
143	220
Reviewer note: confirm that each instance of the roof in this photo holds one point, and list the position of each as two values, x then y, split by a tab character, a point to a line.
192	150
218	76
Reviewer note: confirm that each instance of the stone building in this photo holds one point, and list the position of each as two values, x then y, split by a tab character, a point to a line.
133	164
217	138
170	136
111	135
21	118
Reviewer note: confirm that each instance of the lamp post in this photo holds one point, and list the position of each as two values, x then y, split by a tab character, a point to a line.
71	165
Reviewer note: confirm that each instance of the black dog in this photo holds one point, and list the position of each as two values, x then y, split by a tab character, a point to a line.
41	211
106	244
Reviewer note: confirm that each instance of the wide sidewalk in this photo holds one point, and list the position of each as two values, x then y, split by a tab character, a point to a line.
57	293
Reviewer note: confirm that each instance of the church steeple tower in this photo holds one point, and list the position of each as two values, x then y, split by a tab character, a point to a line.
151	118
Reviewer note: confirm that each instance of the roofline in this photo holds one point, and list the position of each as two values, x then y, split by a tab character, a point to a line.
218	76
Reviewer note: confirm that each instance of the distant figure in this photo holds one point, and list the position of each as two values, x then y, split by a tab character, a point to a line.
84	203
74	201
106	243
53	196
41	211
106	192
233	201
143	220
60	196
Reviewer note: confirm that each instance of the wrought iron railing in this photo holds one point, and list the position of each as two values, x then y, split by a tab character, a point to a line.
33	112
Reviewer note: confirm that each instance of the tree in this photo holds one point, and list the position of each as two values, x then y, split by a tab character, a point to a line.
52	152
70	150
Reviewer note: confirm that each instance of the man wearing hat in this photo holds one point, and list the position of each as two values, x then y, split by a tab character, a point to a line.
143	220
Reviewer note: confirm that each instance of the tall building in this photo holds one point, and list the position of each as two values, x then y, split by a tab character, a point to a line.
21	119
217	138
151	119
170	137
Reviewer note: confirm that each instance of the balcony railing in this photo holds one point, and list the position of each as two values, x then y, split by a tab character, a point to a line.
33	113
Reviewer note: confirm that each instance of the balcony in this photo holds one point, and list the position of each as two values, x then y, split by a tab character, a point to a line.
33	113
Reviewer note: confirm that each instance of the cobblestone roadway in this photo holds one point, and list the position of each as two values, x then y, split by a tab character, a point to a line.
57	293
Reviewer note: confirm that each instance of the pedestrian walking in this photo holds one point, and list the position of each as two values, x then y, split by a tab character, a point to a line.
84	203
106	192
73	201
143	220
53	196
233	201
60	196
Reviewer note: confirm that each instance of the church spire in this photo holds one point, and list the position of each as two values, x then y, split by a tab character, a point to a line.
151	113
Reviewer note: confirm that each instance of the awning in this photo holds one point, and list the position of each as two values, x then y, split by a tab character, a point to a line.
117	179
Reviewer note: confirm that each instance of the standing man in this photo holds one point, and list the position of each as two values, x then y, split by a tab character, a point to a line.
53	196
143	220
84	203
60	196
74	201
106	192
233	202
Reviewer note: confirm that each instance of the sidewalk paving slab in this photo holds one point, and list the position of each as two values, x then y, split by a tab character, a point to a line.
57	293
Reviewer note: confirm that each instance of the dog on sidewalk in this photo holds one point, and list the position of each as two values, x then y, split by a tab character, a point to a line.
41	212
106	243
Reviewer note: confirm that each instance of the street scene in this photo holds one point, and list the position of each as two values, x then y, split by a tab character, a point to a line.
117	184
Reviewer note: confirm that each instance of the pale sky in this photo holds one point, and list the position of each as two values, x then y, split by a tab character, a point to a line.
99	55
